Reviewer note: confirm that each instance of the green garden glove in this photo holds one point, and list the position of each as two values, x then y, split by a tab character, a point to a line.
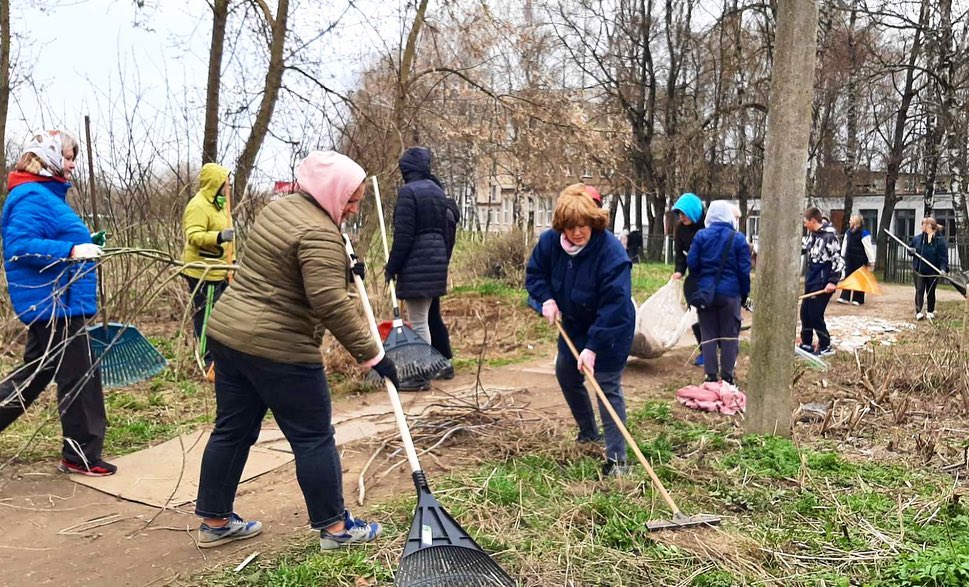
99	238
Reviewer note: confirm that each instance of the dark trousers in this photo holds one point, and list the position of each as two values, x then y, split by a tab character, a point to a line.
812	320
199	300
245	388
573	387
440	339
925	286
60	351
852	265
720	326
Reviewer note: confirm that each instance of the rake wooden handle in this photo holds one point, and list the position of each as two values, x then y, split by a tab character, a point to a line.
399	415
383	238
813	294
622	427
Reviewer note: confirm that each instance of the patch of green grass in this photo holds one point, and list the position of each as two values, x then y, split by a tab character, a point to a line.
649	277
940	566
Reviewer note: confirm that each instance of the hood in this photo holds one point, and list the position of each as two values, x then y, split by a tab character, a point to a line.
211	179
330	178
415	165
722	211
691	206
828	227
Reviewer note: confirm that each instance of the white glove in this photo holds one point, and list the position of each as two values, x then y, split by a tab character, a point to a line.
86	251
551	311
587	358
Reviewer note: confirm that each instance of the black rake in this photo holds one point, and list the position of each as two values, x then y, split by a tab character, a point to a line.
438	552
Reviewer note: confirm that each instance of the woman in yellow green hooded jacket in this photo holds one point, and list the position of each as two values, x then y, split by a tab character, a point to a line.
208	241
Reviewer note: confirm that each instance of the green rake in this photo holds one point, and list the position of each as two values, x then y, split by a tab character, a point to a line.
124	354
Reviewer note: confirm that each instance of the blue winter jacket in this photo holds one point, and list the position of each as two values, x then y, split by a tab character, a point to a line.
707	251
39	230
593	291
935	252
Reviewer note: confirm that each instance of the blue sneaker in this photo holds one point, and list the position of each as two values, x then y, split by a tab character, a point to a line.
699	361
356	532
236	529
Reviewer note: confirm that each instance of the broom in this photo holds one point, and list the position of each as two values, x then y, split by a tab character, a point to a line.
438	552
862	280
124	354
417	361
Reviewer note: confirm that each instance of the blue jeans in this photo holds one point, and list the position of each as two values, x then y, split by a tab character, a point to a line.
573	387
245	388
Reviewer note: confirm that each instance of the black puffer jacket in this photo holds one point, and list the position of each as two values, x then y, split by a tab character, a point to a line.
419	257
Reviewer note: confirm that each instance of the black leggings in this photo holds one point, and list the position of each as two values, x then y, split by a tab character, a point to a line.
925	285
440	339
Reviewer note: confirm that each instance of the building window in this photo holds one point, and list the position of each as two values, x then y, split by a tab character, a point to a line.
905	224
753	226
869	220
947	221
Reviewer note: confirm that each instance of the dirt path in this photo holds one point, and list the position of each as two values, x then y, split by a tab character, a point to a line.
40	507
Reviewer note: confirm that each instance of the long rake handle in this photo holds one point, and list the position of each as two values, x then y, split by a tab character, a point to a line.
383	238
812	294
94	214
415	464
904	244
622	427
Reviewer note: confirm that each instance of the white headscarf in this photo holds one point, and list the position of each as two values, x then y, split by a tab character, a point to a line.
49	148
722	211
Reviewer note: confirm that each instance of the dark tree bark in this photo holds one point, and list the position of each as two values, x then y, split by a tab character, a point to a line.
4	87
210	137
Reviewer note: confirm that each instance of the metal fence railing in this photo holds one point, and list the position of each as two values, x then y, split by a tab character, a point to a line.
898	262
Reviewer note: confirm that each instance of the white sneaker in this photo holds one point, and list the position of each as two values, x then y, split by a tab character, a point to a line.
919	316
842	301
855	304
930	315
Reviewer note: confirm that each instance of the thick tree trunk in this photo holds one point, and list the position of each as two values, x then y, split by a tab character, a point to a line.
788	136
854	97
4	89
210	137
274	81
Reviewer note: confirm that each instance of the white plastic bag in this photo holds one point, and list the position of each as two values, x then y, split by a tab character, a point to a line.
661	321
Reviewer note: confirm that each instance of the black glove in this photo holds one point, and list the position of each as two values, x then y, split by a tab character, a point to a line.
226	236
386	369
357	267
387	277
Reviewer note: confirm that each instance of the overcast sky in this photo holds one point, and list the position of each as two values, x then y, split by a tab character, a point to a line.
78	47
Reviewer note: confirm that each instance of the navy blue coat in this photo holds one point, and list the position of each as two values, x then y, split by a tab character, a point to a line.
39	231
420	254
593	291
706	252
936	252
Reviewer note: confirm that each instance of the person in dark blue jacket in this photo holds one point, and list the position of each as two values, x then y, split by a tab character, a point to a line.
580	274
932	247
48	258
824	269
720	244
424	224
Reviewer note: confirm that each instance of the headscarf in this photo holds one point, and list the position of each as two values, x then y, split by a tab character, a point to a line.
330	178
722	211
48	147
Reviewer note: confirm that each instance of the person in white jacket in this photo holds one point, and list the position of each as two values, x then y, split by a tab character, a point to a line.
858	251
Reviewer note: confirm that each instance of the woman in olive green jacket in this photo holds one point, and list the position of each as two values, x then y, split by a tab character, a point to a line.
208	240
291	287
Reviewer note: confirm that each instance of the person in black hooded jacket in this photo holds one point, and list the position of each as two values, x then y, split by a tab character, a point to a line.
425	222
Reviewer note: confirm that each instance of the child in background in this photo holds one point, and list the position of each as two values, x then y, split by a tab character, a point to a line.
824	270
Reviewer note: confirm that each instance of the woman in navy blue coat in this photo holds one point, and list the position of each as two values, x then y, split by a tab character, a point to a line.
580	274
48	258
720	244
931	246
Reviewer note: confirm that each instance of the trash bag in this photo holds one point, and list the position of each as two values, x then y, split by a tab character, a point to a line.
661	321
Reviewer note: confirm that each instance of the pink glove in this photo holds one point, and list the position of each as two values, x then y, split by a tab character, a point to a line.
551	311
587	358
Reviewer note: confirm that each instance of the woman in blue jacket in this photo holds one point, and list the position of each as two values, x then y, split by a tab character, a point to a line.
932	247
721	245
581	275
47	254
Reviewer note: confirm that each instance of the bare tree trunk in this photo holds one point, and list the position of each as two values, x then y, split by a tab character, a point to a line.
274	81
788	137
404	75
4	88
896	153
210	137
851	149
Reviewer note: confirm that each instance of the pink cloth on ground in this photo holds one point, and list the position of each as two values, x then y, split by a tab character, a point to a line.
713	397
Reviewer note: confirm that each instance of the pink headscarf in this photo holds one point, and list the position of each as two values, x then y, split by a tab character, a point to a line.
330	178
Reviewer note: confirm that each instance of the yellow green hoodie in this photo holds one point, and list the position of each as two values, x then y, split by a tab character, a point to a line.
202	222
